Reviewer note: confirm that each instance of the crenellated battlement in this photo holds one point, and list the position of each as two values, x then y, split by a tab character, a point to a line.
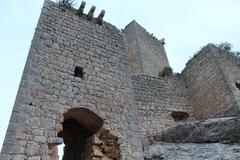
65	5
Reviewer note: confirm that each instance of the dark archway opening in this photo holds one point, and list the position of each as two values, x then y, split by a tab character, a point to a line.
75	137
86	139
78	126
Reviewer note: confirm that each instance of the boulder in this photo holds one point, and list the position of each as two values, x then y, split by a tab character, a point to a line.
192	151
223	130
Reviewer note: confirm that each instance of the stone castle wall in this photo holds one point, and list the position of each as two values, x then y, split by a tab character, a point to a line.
230	67
49	88
206	85
156	98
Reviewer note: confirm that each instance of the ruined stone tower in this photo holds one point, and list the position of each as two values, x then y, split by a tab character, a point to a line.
146	53
101	92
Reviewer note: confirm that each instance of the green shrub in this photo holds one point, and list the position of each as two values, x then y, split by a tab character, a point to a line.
66	3
166	71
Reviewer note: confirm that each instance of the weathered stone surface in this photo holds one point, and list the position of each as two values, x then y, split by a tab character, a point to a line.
156	98
34	158
32	148
97	152
4	156
225	130
210	81
46	157
96	140
146	53
59	128
192	151
18	157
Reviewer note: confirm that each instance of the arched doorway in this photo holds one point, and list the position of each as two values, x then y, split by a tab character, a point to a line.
85	138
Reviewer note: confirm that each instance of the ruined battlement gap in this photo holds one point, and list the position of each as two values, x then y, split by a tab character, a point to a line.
98	91
66	5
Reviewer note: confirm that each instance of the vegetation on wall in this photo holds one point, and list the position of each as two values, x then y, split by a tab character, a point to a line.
228	47
66	3
166	71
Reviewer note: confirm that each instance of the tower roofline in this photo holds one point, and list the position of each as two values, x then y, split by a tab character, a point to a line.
134	23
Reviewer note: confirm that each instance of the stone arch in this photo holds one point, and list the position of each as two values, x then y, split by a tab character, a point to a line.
85	137
85	117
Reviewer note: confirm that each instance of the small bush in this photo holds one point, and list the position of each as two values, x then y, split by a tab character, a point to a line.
228	47
225	45
66	3
166	71
237	54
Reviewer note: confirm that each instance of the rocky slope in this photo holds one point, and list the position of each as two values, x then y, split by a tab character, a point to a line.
212	139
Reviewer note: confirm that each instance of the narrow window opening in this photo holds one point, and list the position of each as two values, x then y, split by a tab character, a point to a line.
78	72
179	116
237	83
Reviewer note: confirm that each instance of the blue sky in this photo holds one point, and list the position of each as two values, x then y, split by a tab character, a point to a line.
186	26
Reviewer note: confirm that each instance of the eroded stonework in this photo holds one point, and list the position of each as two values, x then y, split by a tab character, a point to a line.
101	92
